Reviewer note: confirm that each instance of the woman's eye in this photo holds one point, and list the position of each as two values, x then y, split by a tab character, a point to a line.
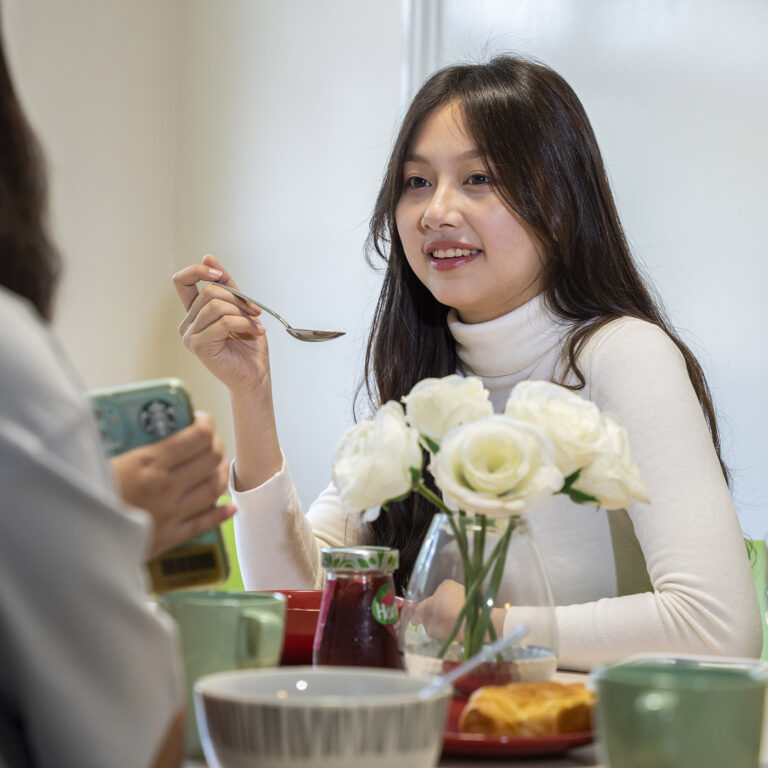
479	178
415	182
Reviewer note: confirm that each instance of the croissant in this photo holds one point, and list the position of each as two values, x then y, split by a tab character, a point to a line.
528	709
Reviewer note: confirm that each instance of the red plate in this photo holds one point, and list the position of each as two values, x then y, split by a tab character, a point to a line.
302	610
457	743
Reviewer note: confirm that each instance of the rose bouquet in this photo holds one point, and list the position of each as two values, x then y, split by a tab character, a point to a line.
487	467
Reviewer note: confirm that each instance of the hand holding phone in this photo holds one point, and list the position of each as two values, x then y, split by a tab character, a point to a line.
178	480
170	464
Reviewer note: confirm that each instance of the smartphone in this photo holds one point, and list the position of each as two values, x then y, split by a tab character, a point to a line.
136	414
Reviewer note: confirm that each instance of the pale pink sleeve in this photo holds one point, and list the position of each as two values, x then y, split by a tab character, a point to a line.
278	547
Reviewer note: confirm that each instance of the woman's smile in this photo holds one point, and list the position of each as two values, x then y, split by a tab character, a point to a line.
450	254
462	241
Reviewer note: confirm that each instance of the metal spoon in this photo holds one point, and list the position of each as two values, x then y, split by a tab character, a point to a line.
489	651
302	334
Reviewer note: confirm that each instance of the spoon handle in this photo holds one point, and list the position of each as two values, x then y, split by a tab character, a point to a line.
241	295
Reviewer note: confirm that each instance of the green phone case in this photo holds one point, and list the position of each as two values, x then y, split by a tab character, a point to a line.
136	414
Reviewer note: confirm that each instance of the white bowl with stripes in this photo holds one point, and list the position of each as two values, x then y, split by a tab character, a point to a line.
324	717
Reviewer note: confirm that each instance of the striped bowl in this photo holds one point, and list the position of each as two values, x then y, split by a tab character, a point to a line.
325	717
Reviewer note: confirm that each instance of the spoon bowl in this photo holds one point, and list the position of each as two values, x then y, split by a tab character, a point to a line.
305	334
302	334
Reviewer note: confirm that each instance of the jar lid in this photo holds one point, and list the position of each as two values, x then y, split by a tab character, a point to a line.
360	559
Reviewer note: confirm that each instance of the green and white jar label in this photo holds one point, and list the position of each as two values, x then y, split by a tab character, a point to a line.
384	607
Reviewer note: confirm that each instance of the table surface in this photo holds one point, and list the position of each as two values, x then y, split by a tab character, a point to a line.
579	757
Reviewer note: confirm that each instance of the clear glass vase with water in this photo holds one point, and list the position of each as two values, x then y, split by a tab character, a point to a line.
474	576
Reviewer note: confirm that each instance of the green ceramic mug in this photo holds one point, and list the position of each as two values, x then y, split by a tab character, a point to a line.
680	712
219	631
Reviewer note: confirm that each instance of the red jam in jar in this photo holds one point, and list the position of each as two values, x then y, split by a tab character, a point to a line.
358	613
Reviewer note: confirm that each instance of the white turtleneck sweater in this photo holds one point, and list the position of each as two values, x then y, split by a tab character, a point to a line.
672	576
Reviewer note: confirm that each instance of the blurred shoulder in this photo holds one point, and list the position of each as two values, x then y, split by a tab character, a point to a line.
15	309
38	387
24	337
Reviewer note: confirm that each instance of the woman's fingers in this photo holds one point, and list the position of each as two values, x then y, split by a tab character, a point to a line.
222	330
212	293
210	261
210	268
187	443
173	533
212	305
204	521
215	302
205	493
217	322
438	613
205	465
186	280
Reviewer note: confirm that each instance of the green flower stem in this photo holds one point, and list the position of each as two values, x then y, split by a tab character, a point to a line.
478	541
494	584
476	628
475	610
459	531
432	497
498	571
471	590
461	536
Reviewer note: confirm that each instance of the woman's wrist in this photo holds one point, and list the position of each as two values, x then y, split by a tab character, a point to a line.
257	448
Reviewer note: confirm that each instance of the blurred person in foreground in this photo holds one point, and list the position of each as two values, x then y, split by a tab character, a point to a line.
89	671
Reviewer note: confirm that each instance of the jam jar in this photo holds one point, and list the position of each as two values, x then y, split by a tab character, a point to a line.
358	612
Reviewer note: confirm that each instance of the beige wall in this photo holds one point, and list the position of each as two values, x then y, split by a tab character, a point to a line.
253	129
99	82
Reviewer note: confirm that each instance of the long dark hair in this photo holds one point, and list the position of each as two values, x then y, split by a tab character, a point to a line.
535	136
29	262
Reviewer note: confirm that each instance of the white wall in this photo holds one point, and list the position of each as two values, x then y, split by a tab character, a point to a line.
287	112
677	93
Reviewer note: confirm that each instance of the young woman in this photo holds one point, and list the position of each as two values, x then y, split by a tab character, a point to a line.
505	259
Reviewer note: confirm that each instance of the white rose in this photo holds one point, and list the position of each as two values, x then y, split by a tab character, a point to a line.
496	466
435	406
571	422
613	477
373	459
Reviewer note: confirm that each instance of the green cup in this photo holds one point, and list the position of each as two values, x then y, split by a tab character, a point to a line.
683	712
220	631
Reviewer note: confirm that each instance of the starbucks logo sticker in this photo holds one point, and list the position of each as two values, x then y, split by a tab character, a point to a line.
384	608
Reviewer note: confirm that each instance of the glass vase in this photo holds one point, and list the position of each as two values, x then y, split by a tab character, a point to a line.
475	578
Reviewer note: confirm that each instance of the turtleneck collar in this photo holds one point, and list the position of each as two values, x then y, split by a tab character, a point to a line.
511	345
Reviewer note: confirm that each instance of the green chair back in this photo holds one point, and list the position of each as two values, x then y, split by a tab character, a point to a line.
235	581
760	575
